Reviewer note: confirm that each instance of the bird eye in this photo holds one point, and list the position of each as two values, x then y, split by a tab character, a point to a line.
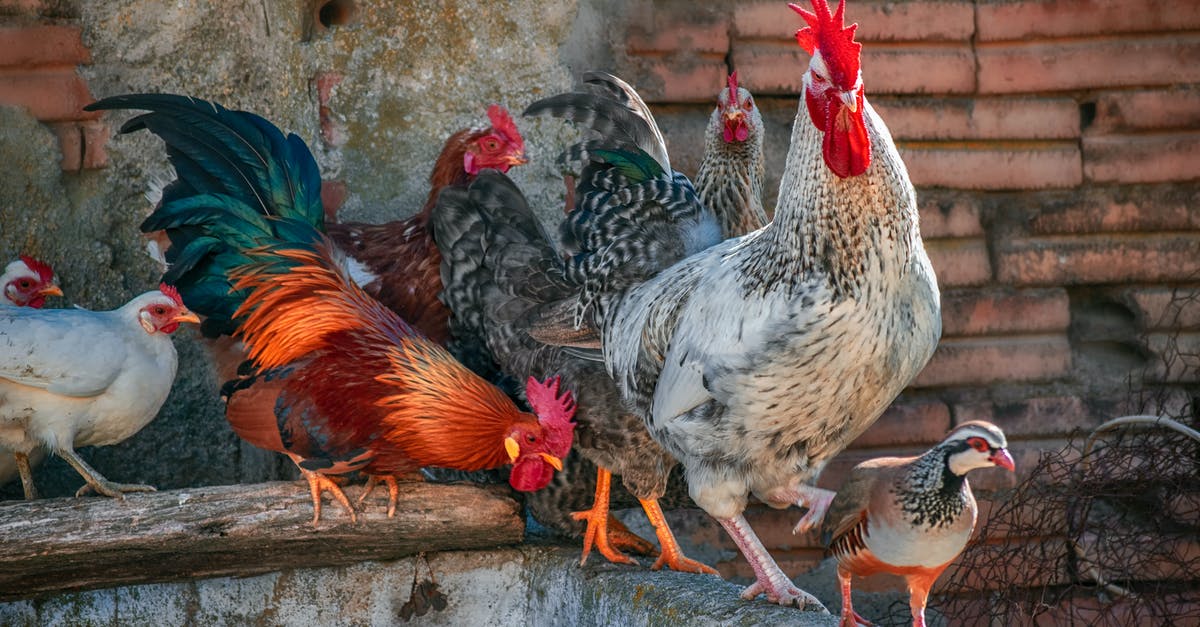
749	104
491	145
978	444
160	310
531	438
25	284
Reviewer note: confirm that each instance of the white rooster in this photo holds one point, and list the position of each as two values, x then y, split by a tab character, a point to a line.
758	360
73	377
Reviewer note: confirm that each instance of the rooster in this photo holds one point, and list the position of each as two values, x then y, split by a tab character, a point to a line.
27	282
397	262
758	360
501	271
338	381
73	377
730	184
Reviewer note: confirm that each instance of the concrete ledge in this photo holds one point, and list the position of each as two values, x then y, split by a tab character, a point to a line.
528	585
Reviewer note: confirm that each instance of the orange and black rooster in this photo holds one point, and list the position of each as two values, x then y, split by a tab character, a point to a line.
338	381
397	262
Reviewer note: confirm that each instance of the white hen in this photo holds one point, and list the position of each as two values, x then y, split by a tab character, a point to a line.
73	377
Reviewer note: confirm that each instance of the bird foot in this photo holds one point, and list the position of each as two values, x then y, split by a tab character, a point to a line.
682	564
598	535
319	483
787	595
854	619
113	489
817	501
393	491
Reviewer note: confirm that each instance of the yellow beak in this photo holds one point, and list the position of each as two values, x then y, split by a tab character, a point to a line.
516	159
50	290
552	460
512	448
850	99
187	316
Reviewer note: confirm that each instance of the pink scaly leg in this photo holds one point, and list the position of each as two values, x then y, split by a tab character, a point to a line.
817	501
850	618
769	578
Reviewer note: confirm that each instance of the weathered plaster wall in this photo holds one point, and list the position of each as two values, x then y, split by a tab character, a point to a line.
404	76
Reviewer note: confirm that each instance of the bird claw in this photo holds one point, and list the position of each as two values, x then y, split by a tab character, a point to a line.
817	501
597	535
113	489
683	564
787	595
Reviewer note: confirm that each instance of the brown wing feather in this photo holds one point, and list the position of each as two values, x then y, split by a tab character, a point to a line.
251	413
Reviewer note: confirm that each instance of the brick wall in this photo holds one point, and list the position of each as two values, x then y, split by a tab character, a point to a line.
40	49
1055	146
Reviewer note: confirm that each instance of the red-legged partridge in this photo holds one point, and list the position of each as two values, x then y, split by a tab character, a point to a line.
910	516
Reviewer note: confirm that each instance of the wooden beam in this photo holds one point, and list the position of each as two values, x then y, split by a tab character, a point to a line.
64	544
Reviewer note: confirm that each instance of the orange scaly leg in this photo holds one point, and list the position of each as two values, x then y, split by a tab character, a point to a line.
850	618
918	594
620	537
672	556
318	483
597	523
393	491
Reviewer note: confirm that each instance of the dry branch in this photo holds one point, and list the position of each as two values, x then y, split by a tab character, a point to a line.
70	544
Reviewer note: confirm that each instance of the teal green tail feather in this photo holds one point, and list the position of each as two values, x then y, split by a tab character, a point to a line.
240	185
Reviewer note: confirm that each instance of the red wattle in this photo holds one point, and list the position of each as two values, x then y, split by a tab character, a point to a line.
36	302
817	109
742	132
728	134
846	146
530	474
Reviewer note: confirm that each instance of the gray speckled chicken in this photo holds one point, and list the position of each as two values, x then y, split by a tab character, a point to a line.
758	360
910	516
501	272
730	178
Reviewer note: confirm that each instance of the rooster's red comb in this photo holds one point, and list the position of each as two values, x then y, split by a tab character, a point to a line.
43	269
171	293
733	88
829	34
503	124
554	411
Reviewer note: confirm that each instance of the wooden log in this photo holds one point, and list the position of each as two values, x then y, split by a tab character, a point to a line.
64	544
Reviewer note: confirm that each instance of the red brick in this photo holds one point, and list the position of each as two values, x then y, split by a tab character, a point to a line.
983	118
1178	357
1031	518
890	21
1091	63
95	137
333	196
1033	418
1063	18
948	214
1142	158
993	166
1080	260
959	262
1003	311
678	35
695	80
905	424
1173	108
988	361
838	469
1117	209
50	95
1165	308
767	68
1019	564
70	143
33	46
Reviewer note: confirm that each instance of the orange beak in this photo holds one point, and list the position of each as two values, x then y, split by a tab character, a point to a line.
186	316
735	114
516	159
51	290
552	460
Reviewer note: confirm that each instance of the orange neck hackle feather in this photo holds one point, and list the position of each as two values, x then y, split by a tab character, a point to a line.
445	414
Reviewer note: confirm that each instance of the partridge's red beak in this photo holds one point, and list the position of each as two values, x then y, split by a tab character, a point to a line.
1002	459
